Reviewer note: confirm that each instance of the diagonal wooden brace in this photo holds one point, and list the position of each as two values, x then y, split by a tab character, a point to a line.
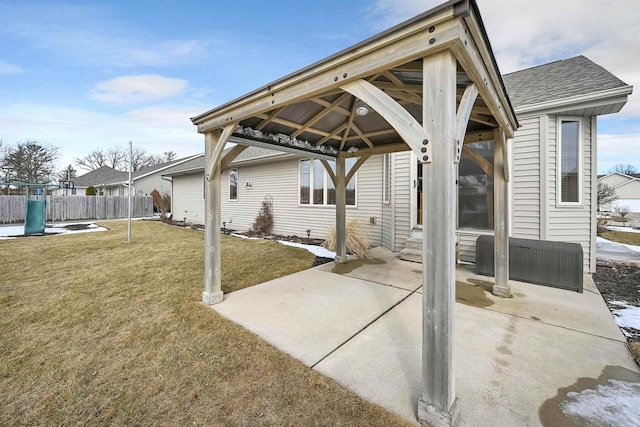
462	117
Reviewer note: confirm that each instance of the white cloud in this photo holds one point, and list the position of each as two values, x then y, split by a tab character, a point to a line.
86	35
528	33
78	131
617	149
7	68
137	89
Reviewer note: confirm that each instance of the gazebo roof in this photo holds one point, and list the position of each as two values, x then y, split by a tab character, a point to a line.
310	110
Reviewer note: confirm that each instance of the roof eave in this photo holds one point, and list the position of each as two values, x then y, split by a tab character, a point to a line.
593	99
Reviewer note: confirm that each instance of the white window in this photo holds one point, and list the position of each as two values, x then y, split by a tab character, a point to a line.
316	187
386	178
233	184
569	164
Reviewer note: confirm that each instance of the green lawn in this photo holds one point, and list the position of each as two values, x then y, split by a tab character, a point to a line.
96	331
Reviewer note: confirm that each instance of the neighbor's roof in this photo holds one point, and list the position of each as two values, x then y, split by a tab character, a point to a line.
559	80
197	163
147	171
99	176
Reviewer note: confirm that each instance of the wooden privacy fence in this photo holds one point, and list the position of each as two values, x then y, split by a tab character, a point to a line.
12	208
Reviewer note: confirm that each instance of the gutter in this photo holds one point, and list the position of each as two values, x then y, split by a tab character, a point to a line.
578	99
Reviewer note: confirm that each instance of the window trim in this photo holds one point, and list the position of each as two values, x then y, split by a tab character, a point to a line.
559	121
386	176
326	180
237	184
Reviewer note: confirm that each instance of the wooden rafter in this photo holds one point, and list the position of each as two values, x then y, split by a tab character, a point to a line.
352	116
373	134
269	118
361	135
410	97
320	115
332	134
394	79
327	104
294	125
485	120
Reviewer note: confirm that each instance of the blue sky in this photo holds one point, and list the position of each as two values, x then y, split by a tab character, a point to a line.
83	75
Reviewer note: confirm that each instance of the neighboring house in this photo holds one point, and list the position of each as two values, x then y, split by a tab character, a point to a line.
627	189
552	186
144	181
94	178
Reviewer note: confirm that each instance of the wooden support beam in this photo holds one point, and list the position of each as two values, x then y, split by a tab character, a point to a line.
216	141
411	97
400	119
472	137
231	155
501	218
292	124
374	133
327	167
327	104
477	158
396	81
378	149
315	119
341	214
438	404
355	168
462	116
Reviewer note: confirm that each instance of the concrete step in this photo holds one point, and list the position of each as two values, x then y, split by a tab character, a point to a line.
414	255
414	243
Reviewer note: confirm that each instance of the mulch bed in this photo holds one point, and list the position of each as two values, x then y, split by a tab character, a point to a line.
620	282
295	239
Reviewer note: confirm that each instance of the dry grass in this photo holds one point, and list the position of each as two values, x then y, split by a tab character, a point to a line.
622	237
95	331
357	239
635	348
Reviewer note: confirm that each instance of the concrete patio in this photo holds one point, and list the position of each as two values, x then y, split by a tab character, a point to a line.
516	358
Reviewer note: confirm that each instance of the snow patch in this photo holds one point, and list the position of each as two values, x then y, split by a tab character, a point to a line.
603	240
316	250
615	404
16	231
625	229
626	317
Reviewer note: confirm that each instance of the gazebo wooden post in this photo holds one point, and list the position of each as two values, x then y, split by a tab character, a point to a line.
438	405
341	202
214	144
501	216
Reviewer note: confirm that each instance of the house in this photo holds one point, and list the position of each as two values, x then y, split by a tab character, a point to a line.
553	157
144	181
627	188
94	178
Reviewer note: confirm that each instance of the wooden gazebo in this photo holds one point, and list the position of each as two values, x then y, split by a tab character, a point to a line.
430	85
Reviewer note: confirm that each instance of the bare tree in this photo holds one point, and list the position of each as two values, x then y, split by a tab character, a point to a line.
67	174
606	194
622	210
625	169
117	158
30	161
92	161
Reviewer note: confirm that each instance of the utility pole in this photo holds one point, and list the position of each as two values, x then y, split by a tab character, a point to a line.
130	167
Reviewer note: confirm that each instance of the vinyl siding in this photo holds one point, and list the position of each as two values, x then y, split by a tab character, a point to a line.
188	198
570	223
279	179
614	180
526	179
467	243
388	209
402	193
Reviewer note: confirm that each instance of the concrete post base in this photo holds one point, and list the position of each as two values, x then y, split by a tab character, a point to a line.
212	298
340	259
430	416
502	291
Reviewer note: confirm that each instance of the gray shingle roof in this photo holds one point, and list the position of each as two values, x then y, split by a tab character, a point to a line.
558	80
99	176
251	153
